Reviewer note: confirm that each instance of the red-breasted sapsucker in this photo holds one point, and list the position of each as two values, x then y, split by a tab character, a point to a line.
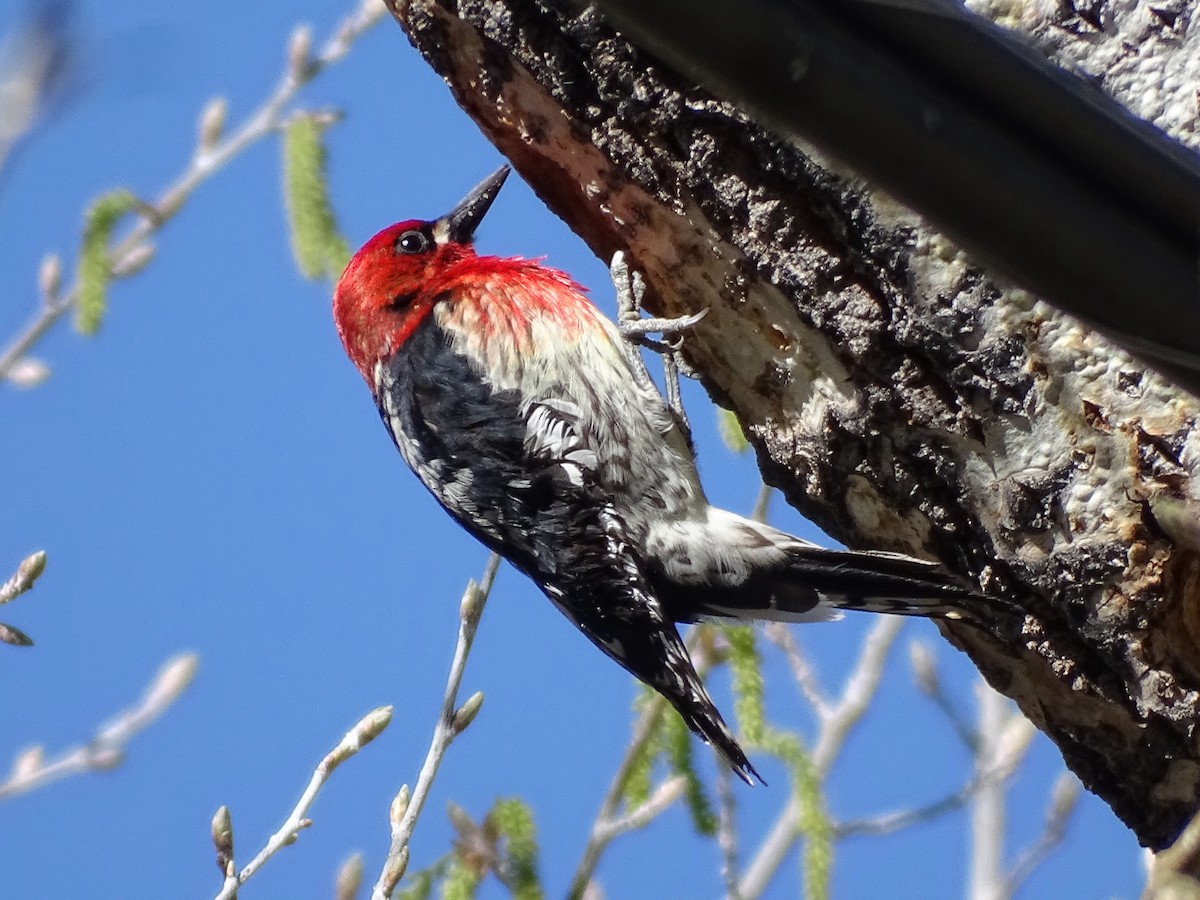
512	399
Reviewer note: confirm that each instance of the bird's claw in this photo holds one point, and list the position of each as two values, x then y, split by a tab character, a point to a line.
631	289
633	327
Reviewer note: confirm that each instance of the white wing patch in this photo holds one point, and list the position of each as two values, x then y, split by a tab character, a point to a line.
551	434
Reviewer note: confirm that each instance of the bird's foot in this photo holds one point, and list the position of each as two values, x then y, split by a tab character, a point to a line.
631	289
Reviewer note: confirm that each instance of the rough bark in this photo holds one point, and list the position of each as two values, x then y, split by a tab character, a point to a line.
899	396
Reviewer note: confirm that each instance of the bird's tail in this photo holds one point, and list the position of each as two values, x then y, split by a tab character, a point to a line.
875	581
767	574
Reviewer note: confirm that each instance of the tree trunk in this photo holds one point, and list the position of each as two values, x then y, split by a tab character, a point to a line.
898	396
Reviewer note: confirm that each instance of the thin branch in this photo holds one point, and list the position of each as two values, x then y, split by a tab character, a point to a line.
727	836
924	667
660	801
598	839
107	748
762	503
781	636
988	813
1064	797
366	730
887	823
211	155
1008	749
451	721
860	690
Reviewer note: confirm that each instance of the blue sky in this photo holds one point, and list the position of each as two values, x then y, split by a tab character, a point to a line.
209	474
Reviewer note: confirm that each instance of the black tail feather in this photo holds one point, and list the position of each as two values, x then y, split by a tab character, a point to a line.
813	583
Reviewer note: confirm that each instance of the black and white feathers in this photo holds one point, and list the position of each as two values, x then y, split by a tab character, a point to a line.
525	422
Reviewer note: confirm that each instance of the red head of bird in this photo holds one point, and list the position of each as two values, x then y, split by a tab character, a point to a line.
392	283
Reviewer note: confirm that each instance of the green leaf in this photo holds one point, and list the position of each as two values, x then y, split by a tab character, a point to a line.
95	264
319	248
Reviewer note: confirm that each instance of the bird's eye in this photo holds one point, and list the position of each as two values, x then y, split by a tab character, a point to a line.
412	242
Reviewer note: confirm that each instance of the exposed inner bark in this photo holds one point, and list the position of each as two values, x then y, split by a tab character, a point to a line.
896	394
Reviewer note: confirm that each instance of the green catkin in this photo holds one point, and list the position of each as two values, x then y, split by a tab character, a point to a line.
319	248
730	429
513	820
745	668
461	881
95	265
636	789
814	818
679	752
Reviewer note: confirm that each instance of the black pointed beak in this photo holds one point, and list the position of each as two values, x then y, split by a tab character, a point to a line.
462	222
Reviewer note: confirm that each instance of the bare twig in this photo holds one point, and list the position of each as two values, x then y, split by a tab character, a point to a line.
924	666
860	690
210	156
762	503
349	878
600	836
781	636
660	801
366	730
986	874
1064	797
887	823
727	836
1006	737
27	573
406	807
31	770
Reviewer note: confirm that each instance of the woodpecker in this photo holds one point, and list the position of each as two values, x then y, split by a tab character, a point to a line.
514	402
